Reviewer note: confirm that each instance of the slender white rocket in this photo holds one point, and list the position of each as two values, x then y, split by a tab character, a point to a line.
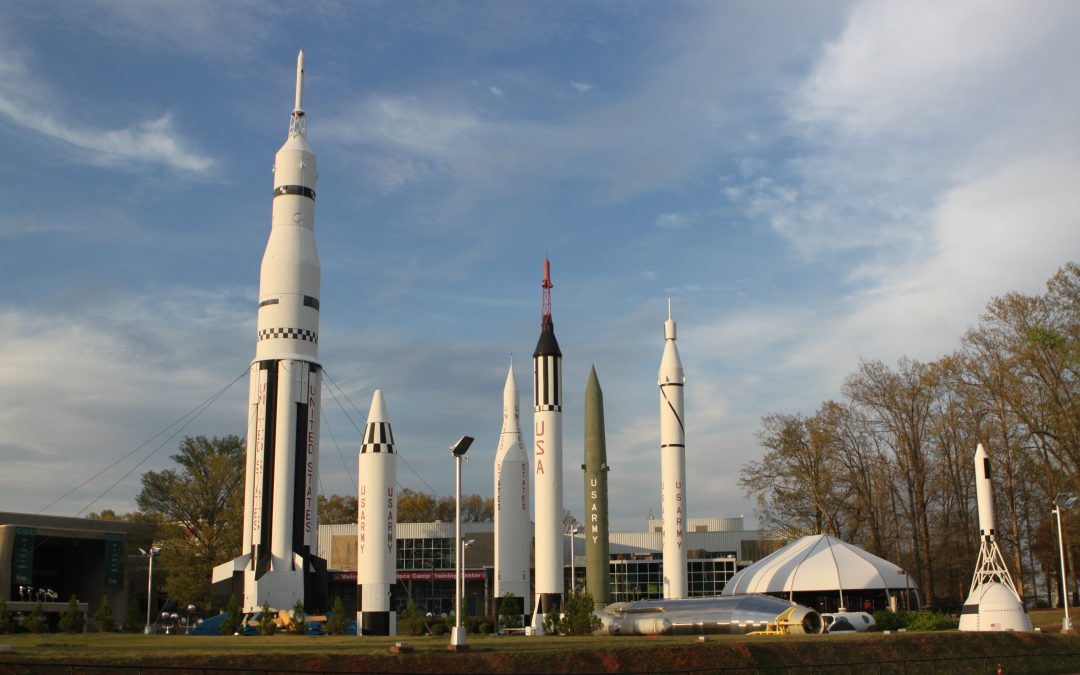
512	502
547	462
672	464
280	528
376	542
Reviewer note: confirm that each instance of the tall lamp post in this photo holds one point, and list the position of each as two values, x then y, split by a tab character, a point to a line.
458	641
464	568
572	532
150	555
1067	500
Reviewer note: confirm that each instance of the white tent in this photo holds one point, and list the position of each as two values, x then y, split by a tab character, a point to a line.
818	563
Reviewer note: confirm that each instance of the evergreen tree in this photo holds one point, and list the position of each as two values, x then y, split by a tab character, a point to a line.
578	617
5	618
338	620
133	621
233	621
411	620
297	620
37	622
103	618
509	612
266	620
72	620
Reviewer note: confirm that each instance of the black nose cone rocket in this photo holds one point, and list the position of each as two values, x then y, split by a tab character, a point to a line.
596	495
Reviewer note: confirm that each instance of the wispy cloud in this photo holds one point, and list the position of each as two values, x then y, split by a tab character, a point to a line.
582	87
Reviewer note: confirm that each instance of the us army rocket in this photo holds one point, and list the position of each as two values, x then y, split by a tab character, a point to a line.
596	494
376	540
992	603
547	458
672	464
278	564
512	524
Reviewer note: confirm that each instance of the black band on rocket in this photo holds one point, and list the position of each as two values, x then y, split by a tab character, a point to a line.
302	190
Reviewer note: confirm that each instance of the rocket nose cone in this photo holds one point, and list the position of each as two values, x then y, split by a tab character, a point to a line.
511	381
378	408
593	385
980	452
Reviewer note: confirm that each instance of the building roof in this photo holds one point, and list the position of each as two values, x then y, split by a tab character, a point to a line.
818	563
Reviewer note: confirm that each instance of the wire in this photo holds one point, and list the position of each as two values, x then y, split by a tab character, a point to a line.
350	474
192	416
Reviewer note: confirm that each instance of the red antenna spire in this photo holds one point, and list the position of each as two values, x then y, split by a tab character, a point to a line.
545	308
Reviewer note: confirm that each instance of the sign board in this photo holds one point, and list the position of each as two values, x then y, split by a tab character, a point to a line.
22	561
114	559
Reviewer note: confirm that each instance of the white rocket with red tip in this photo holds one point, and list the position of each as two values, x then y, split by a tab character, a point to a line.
278	563
376	541
548	464
672	464
512	504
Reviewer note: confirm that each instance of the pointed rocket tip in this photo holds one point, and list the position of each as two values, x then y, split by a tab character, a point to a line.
669	309
378	408
980	450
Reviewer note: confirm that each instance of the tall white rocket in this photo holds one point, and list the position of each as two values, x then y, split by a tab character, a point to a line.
547	459
672	464
992	603
278	563
376	529
512	503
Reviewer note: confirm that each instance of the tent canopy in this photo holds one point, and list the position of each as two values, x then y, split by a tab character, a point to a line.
818	563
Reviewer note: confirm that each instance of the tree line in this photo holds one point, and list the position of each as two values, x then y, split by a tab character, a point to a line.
195	513
889	464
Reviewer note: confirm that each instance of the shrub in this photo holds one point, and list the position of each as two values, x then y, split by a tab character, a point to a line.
72	620
233	621
37	622
297	619
439	629
578	617
338	620
103	618
886	620
931	621
133	621
410	620
509	612
5	618
266	620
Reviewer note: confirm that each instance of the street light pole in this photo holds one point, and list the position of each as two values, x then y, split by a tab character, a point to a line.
573	533
154	550
1066	500
458	641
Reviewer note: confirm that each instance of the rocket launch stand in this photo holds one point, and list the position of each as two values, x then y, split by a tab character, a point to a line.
993	603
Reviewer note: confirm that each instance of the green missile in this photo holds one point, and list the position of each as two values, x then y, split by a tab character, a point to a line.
596	495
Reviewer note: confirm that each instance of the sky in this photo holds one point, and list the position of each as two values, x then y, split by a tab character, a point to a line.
811	183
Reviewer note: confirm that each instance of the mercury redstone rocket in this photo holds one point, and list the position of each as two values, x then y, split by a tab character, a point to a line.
278	563
512	526
597	553
547	454
376	540
672	464
993	603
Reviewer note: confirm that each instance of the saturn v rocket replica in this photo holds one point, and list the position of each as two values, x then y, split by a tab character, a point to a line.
278	564
992	603
512	526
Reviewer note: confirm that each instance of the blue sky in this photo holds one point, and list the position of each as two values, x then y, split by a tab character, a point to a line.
810	182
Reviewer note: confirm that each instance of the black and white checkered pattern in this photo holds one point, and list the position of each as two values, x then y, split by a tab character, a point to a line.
378	438
289	334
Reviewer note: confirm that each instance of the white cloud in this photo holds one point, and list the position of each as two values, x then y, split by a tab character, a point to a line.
496	92
582	87
673	221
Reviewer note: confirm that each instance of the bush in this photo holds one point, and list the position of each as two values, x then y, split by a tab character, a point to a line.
103	618
578	617
931	621
72	620
133	621
266	620
439	629
410	620
509	612
886	620
5	618
297	619
37	622
338	621
233	621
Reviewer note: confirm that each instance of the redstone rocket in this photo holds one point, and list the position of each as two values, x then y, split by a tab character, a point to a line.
278	564
547	457
672	464
512	526
376	540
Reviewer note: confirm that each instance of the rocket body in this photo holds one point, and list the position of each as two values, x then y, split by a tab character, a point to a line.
548	464
280	529
984	493
597	553
672	464
376	541
512	526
